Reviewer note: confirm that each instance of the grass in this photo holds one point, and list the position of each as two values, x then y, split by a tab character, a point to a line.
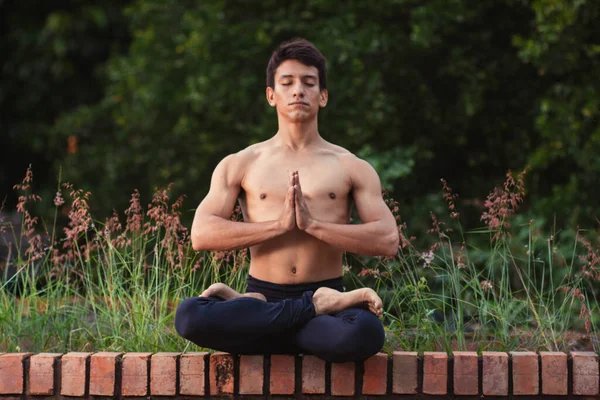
115	285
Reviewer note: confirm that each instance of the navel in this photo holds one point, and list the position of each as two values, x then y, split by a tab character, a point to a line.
263	196
332	195
294	270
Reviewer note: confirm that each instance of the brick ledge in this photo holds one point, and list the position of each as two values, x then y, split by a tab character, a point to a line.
113	374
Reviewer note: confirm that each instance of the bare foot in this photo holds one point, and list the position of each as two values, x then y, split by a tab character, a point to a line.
329	301
226	293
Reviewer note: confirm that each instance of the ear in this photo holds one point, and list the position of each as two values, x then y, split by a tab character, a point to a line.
271	96
323	97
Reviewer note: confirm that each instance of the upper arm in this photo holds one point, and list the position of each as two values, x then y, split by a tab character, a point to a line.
225	186
366	192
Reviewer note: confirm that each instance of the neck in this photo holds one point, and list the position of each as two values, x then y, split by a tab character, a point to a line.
298	135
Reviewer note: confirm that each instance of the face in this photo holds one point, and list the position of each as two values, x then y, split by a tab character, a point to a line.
296	95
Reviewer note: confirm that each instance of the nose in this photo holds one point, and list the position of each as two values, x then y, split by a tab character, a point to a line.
299	90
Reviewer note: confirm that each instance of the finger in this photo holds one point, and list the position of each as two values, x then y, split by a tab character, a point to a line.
296	197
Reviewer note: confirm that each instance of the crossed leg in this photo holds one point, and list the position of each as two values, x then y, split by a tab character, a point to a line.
325	300
324	323
353	334
226	293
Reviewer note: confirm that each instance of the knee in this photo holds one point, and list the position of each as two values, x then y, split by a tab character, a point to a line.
374	334
365	339
188	318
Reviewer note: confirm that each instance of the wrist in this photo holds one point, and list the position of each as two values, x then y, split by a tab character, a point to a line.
312	227
280	227
277	227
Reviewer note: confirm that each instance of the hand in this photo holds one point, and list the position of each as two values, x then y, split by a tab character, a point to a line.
288	215
303	217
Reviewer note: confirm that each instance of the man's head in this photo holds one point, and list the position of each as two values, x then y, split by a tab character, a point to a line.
296	81
301	50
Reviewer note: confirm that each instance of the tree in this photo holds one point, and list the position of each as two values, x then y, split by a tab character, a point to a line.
53	62
456	89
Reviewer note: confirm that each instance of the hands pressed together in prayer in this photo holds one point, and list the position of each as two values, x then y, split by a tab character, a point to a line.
295	211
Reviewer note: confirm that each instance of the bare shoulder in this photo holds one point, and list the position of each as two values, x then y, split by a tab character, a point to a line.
234	166
358	169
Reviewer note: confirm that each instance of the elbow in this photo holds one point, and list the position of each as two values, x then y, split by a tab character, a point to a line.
202	235
197	244
199	240
390	244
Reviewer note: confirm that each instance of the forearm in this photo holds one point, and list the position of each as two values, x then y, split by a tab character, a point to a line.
372	238
218	234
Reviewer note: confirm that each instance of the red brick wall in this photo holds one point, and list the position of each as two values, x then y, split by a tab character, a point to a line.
109	374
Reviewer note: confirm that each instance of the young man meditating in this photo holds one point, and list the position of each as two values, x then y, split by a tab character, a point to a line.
295	191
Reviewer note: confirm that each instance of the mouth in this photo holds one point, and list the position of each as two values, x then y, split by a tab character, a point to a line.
299	103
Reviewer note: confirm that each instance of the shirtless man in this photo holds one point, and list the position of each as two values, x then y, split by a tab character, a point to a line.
296	191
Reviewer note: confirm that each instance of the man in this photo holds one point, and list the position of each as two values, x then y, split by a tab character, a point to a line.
295	191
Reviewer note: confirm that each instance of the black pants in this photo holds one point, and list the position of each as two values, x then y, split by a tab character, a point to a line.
285	324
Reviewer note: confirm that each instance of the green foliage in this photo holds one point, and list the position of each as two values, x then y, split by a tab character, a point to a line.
53	62
456	89
422	90
564	50
124	277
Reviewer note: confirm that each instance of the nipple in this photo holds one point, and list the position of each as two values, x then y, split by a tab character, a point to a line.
263	196
332	195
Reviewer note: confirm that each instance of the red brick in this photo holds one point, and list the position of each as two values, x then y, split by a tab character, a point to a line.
435	372
342	379
525	368
135	374
191	374
554	373
73	371
221	374
313	375
495	374
11	372
41	374
404	372
103	367
163	374
375	376
282	380
251	374
585	373
466	375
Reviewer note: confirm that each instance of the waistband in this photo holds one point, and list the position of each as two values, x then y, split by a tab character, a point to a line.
278	292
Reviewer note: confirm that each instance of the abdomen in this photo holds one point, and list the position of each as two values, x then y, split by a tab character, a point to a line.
295	257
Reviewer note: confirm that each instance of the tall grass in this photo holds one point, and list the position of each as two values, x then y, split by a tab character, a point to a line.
488	289
114	285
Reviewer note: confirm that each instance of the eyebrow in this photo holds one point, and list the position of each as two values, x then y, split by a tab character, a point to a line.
304	76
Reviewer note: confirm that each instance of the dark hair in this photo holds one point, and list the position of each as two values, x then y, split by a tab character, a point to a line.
301	50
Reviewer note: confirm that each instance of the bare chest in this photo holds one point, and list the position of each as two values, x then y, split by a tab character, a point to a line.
326	187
